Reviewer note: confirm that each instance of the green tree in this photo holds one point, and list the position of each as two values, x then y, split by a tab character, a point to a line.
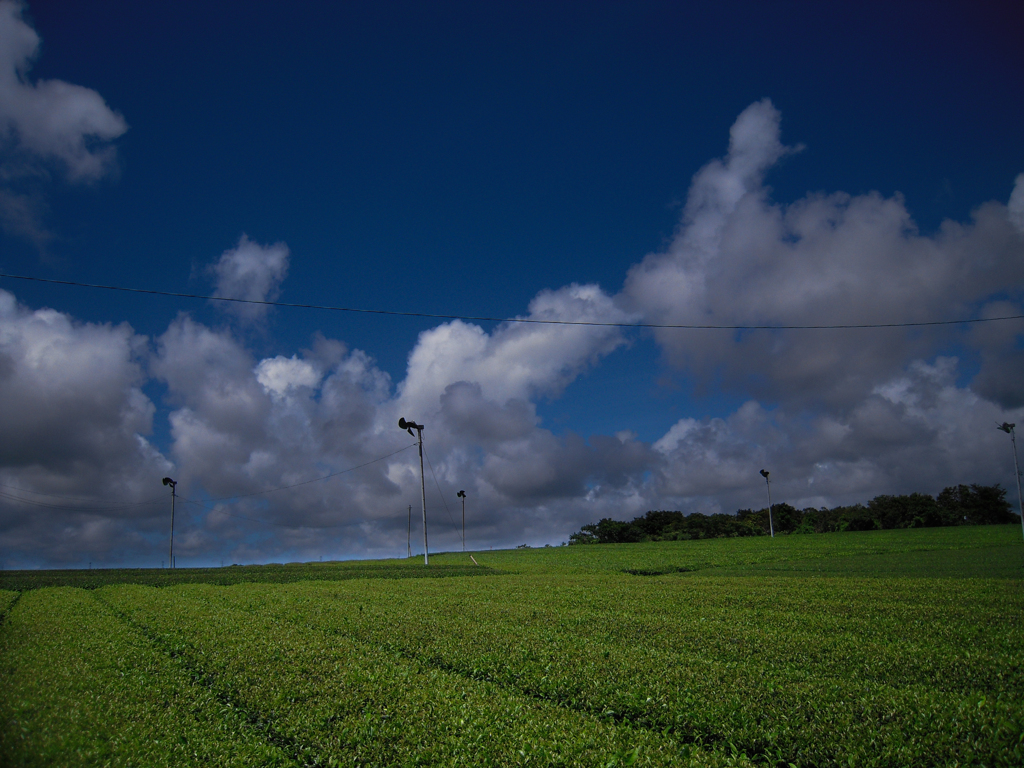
916	510
976	505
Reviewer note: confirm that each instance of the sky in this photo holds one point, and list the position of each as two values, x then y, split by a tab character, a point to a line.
625	164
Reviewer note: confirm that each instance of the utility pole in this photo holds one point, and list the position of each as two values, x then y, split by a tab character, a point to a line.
410	531
771	526
462	495
172	483
1008	428
409	426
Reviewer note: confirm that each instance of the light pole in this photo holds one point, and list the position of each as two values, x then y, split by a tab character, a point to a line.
172	483
462	495
409	426
1008	429
771	526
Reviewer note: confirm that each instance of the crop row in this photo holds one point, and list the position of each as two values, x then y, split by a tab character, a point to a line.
348	702
81	688
957	637
7	599
814	672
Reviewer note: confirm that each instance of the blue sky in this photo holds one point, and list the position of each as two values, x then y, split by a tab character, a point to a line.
749	163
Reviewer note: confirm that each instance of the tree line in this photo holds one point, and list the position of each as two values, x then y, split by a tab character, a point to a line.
956	505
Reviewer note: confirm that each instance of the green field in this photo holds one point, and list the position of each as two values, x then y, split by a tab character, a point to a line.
894	648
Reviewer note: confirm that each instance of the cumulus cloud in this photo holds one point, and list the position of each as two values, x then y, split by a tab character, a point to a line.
280	375
242	425
252	272
51	119
740	259
998	346
247	426
917	431
853	412
44	125
477	393
517	360
75	461
210	375
468	414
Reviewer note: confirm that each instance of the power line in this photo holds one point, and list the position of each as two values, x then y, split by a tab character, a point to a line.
106	507
82	498
68	508
535	321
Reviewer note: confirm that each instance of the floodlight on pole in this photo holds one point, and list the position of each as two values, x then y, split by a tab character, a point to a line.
409	426
462	495
1009	429
172	483
771	526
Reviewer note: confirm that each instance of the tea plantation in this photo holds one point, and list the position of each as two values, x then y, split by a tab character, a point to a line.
881	648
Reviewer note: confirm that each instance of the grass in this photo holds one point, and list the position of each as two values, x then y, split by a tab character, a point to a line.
856	649
804	553
753	554
995	562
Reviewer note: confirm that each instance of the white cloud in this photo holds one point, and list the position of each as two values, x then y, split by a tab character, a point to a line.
740	259
211	373
252	272
51	119
858	412
245	426
281	374
917	432
70	390
74	422
517	360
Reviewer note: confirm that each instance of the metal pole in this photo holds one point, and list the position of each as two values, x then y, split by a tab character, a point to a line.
410	531
771	526
462	495
172	483
423	496
1016	471
1009	429
171	559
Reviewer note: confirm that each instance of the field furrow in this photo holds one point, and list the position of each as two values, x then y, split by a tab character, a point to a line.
81	688
346	701
880	672
7	600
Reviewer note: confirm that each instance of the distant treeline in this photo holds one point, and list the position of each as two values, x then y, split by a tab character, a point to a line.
956	505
